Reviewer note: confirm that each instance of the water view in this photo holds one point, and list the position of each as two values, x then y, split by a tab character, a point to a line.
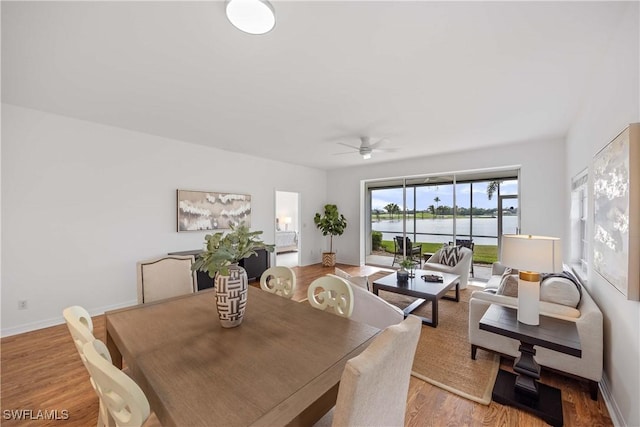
440	230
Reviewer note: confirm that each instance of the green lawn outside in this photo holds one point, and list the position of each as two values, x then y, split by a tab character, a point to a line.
482	254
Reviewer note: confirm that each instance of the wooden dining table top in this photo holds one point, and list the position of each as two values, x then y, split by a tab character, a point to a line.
281	366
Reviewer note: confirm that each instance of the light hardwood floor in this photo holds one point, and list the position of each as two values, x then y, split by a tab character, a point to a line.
41	370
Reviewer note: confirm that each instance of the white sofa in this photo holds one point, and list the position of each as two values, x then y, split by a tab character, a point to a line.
462	268
588	319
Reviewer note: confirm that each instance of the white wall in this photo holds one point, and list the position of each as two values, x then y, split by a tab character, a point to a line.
83	202
542	186
612	103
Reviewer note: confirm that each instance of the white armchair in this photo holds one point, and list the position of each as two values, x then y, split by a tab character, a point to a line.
461	268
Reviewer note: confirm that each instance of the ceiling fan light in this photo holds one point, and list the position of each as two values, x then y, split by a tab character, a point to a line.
251	16
366	156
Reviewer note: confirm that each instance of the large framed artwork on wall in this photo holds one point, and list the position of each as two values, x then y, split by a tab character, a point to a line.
616	219
208	210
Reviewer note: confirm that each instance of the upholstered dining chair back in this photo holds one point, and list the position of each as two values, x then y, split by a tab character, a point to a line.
279	280
374	385
331	293
165	277
125	401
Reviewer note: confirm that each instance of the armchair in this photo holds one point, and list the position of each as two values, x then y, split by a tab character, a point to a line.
462	268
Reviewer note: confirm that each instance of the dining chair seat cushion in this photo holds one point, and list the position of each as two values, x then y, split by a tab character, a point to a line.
361	281
369	308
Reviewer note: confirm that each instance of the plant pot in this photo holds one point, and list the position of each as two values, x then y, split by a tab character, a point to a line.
329	259
231	296
402	276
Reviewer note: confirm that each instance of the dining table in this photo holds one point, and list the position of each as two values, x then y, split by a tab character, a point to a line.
281	366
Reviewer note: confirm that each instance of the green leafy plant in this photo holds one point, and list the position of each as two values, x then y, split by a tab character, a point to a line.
376	240
332	223
407	263
222	250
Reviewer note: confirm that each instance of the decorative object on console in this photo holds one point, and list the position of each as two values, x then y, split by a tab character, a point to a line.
616	218
331	223
220	259
207	210
531	255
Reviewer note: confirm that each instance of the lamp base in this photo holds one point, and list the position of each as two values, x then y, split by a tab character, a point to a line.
529	298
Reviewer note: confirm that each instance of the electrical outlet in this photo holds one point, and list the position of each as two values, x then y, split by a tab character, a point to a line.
22	304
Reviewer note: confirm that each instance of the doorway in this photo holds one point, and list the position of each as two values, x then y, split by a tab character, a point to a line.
287	229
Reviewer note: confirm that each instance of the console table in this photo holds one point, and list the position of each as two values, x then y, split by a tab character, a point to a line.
254	265
523	390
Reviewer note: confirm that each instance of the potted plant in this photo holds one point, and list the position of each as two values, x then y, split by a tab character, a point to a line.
332	223
220	259
402	274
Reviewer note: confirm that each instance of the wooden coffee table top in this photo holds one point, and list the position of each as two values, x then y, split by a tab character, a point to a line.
417	286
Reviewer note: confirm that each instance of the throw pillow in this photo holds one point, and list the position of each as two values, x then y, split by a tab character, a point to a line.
560	289
361	281
508	286
449	255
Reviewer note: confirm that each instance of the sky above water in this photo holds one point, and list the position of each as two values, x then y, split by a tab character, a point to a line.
426	196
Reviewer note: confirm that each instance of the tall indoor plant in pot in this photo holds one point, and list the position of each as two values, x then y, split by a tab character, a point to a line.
332	223
220	259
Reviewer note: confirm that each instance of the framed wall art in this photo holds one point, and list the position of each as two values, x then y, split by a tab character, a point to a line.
616	219
208	210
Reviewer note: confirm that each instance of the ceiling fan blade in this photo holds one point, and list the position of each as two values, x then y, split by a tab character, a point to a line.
350	146
379	142
345	152
385	150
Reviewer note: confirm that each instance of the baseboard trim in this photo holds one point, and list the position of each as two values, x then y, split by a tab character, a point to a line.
41	324
610	403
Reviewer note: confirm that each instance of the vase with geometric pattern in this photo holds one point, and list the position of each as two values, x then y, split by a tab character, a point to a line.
231	296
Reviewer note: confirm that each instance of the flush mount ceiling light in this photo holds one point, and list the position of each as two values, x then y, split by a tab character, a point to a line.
251	16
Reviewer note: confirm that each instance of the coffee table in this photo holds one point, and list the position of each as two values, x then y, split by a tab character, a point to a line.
425	291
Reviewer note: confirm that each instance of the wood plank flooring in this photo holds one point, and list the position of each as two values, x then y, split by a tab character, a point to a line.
41	370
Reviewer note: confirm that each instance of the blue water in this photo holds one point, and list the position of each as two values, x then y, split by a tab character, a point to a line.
443	229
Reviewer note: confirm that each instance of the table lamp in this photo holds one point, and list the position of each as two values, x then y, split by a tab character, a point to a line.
531	255
286	220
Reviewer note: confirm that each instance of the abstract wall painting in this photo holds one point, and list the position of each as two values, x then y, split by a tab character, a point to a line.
208	210
616	220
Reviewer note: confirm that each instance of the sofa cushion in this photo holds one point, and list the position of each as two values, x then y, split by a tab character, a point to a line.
508	285
361	281
449	255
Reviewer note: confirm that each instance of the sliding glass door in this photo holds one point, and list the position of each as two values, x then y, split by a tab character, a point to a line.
439	209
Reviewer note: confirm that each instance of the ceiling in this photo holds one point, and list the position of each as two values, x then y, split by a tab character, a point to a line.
432	77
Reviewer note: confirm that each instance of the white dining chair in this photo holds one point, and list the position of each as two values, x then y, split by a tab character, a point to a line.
331	293
369	308
80	327
374	385
165	277
124	400
279	280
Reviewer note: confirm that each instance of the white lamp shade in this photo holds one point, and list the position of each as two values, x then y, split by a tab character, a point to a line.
286	220
532	253
251	16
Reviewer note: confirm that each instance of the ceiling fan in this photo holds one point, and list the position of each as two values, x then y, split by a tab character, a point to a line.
367	147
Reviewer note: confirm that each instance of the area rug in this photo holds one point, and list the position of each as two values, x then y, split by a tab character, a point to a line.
443	355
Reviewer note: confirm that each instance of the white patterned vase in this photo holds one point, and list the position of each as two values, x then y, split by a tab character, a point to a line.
231	296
